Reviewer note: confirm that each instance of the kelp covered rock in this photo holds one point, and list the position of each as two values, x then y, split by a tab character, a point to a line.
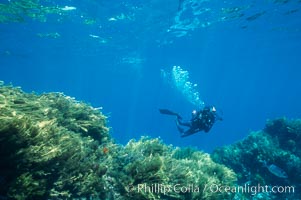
148	169
268	157
50	146
54	147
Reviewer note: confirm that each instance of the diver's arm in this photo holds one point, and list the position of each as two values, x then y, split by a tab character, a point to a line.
217	117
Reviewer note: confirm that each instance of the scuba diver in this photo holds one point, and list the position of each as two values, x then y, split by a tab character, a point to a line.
201	120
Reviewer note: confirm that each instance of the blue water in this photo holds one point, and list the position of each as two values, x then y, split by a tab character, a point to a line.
247	66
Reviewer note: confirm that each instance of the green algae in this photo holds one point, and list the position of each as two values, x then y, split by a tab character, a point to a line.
21	10
54	147
49	144
148	162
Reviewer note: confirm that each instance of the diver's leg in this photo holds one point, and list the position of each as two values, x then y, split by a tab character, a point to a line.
184	123
188	132
180	129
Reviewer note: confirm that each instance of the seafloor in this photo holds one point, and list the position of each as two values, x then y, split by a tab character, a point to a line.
54	147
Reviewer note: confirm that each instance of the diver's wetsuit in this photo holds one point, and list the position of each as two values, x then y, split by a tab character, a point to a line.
203	120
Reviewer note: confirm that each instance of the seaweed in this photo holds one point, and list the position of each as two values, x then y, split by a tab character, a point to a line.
55	147
149	164
41	154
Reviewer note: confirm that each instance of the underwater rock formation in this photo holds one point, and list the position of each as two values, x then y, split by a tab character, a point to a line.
148	169
54	147
268	157
50	146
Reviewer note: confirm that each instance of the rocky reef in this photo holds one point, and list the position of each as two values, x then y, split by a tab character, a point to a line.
51	146
148	169
269	157
54	147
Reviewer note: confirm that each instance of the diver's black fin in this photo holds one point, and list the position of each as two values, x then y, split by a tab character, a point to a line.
168	112
180	6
